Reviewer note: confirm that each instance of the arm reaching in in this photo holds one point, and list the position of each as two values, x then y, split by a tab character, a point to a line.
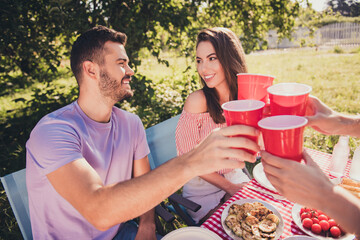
325	120
306	184
106	206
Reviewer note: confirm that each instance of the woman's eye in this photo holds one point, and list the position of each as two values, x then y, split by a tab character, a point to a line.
212	58
197	61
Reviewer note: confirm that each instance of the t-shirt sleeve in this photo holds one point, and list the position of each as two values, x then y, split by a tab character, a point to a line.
51	146
187	134
141	146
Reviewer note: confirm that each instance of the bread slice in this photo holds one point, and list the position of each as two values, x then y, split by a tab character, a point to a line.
351	185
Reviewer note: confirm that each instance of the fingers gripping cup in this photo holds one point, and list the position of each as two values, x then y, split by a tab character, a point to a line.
288	98
283	135
253	86
244	112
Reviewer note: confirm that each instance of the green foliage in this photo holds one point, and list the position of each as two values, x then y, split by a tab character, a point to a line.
312	19
35	37
250	19
338	49
347	8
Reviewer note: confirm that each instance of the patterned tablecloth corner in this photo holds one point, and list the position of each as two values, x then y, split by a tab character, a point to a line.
283	206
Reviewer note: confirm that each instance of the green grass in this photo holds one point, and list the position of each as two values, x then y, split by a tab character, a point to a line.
334	77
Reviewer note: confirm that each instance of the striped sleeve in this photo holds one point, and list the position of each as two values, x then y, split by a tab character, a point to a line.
191	129
187	134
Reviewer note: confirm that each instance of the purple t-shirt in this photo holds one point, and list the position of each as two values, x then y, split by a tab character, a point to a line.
67	135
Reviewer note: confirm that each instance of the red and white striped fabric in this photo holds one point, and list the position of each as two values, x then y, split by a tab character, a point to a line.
191	129
284	206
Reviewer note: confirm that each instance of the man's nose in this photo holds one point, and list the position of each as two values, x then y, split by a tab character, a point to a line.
129	71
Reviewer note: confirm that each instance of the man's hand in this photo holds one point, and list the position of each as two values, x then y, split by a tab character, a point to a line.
220	150
304	184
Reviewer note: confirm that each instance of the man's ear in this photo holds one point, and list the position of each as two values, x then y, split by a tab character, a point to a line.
90	69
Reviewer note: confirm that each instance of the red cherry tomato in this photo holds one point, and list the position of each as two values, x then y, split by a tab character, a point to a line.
305	215
335	231
316	228
324	225
332	222
320	212
304	209
307	223
315	220
314	214
322	217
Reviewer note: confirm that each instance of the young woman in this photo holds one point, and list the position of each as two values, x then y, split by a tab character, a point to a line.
219	57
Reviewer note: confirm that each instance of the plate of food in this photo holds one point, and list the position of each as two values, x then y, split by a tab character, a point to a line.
316	224
261	178
252	218
194	233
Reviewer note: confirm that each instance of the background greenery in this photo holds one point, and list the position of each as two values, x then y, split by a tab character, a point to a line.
35	77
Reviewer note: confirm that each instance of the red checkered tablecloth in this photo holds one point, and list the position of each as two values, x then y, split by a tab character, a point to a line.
283	206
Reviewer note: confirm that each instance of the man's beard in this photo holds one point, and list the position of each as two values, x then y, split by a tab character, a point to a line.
110	87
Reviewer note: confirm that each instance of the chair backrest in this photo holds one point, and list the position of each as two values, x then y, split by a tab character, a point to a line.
15	187
161	140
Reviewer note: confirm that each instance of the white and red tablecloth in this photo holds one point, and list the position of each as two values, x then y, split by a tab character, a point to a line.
283	206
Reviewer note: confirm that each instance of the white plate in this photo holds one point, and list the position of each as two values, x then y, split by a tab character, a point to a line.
261	178
193	233
295	213
225	213
300	237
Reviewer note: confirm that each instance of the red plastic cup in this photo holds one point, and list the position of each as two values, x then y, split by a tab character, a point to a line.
253	86
288	98
244	112
284	135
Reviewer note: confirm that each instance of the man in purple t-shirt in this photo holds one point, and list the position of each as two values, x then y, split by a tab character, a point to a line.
87	165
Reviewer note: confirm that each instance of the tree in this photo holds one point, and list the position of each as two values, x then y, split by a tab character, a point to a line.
347	8
37	34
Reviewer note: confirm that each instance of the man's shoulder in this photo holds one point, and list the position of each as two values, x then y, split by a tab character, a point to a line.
61	117
125	116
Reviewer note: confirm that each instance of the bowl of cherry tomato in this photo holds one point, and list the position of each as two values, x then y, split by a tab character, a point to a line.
317	224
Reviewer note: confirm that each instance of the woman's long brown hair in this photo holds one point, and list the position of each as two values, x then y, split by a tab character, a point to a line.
231	55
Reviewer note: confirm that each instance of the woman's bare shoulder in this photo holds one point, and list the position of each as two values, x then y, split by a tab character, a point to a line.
196	102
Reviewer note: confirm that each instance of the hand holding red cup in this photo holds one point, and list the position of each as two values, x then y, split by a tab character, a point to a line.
254	86
244	112
288	98
283	135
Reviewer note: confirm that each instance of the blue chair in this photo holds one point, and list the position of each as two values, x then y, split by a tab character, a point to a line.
15	187
161	140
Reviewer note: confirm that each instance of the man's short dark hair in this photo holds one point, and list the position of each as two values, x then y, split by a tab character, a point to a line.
90	45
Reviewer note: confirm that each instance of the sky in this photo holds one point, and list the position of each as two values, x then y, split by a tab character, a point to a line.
318	5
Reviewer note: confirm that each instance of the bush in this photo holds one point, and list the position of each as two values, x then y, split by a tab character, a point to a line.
338	50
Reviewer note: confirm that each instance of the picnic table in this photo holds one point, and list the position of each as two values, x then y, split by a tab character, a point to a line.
283	206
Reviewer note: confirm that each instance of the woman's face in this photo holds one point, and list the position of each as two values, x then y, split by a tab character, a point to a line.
209	66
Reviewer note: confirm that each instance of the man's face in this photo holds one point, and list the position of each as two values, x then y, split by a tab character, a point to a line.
115	73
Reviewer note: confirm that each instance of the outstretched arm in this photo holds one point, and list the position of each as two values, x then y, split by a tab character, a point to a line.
309	186
106	206
325	120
